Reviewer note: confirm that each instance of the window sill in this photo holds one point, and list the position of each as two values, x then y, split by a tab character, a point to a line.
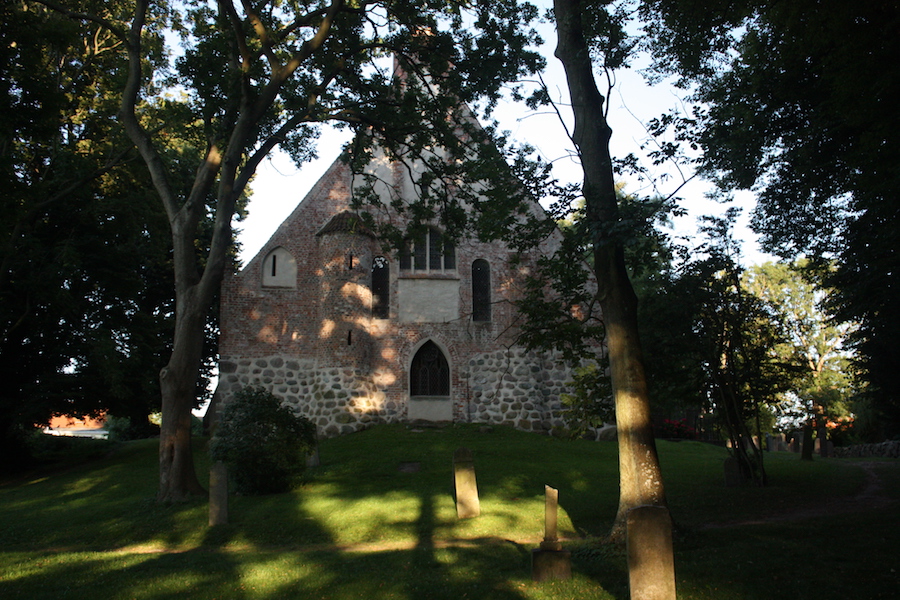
428	275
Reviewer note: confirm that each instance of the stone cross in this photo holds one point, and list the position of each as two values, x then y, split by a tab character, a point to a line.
467	505
651	564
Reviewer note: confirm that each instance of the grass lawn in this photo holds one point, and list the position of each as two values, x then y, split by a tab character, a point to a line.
363	527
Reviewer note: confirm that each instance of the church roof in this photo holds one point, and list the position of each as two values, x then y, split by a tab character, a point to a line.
346	222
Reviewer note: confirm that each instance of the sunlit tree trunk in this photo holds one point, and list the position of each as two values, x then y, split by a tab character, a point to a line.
640	479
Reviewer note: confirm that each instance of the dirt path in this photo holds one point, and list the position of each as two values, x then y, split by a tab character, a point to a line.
871	497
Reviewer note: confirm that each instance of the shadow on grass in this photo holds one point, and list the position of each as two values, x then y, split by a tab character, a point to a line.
109	539
362	527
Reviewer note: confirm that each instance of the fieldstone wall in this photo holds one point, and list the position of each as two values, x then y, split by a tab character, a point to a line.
513	387
337	400
517	388
884	449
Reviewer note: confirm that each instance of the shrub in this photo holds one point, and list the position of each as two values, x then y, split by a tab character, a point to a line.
123	429
263	443
676	430
118	428
589	404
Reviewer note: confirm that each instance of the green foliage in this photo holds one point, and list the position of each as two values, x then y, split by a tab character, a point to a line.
717	343
590	402
263	443
675	430
123	429
86	298
250	77
798	106
813	342
63	451
118	429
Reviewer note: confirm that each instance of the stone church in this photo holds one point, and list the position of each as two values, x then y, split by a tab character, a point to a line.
349	334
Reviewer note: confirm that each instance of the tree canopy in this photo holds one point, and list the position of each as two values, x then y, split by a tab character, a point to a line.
85	294
248	78
796	102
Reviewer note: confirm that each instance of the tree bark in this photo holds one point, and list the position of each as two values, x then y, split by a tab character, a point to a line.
178	380
640	479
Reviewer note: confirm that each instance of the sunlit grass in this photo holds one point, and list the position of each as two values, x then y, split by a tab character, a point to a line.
362	527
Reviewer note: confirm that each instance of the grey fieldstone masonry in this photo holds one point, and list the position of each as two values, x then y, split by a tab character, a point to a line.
338	400
515	387
889	449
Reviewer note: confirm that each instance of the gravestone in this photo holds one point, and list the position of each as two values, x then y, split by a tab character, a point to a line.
218	494
312	459
734	476
467	505
780	444
651	563
550	561
824	449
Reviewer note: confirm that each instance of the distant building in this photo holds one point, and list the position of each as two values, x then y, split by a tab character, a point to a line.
77	427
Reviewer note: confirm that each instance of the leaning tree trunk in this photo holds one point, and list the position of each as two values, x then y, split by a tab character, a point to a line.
640	479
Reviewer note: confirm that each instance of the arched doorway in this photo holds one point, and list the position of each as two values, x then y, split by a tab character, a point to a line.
429	385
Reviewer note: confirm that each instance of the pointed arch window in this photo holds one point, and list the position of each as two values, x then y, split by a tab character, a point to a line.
481	290
430	252
381	288
430	372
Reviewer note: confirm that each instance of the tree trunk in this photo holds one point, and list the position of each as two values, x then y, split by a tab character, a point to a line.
640	479
178	382
806	452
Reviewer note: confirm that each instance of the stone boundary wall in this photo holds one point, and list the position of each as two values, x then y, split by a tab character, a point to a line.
515	388
884	449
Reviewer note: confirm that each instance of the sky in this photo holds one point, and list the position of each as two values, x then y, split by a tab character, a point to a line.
279	185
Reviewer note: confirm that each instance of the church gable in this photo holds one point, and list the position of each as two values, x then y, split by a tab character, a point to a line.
346	332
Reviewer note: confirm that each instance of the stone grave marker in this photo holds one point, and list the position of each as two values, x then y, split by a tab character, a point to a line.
218	494
550	561
734	477
651	563
467	504
312	459
780	444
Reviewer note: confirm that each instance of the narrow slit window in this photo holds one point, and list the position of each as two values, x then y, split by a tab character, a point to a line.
481	290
